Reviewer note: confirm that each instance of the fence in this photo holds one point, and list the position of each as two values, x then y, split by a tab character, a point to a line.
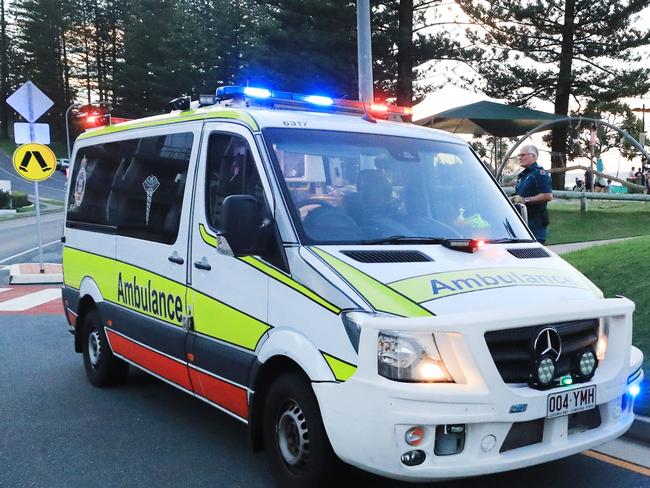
584	196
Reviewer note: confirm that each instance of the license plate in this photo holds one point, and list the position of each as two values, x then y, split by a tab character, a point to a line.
571	401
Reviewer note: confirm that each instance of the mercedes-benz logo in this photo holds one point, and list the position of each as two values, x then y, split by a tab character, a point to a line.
548	342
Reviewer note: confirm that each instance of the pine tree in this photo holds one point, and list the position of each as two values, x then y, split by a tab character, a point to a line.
156	64
41	29
306	46
558	49
403	39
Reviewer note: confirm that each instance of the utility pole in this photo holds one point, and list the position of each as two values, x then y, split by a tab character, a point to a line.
364	48
4	72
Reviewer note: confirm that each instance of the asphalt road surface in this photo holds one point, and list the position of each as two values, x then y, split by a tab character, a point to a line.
53	187
59	431
19	239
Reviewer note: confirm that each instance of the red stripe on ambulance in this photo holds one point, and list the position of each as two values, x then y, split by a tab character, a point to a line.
224	394
157	363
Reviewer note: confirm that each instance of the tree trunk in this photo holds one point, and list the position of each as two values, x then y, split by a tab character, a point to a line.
562	94
4	74
405	73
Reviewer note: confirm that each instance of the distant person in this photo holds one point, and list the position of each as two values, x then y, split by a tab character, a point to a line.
600	185
534	190
631	173
589	180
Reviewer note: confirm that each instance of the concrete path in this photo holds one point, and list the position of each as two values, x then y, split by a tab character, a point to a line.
577	246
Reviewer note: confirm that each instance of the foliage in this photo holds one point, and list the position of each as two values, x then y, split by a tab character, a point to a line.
306	46
558	49
12	200
632	260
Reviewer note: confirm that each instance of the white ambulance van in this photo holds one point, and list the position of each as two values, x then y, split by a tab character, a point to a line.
352	287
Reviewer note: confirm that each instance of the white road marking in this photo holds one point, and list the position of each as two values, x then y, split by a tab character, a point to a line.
4	289
31	300
28	251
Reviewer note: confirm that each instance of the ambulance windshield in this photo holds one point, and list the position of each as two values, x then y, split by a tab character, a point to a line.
353	188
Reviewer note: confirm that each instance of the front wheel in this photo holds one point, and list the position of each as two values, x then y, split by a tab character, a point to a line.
299	451
102	367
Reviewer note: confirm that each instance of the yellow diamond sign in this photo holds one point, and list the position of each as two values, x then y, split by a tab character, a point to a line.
34	162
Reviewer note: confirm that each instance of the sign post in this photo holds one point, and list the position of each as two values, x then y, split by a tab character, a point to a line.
34	162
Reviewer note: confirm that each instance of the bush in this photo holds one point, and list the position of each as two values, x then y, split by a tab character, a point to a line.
5	200
16	199
19	199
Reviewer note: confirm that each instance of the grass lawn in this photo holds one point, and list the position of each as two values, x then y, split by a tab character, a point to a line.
624	269
603	220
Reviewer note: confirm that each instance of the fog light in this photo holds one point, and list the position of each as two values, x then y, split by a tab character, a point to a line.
545	371
450	439
488	443
414	436
584	365
587	363
413	458
634	390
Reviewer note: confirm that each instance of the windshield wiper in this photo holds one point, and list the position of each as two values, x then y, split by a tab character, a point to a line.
405	240
508	240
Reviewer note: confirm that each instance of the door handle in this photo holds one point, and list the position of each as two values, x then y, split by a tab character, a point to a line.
203	264
175	258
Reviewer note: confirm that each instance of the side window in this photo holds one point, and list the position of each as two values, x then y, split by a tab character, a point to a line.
231	171
134	187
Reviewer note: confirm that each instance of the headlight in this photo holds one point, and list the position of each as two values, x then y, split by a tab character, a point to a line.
410	357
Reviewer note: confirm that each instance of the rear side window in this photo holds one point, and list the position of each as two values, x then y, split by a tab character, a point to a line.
132	187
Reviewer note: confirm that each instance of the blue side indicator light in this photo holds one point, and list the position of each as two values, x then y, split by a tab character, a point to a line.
518	408
319	100
634	390
250	91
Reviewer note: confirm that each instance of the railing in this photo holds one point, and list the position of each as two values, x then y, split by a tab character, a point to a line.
583	196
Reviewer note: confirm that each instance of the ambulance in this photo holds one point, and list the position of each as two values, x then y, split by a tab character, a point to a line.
351	286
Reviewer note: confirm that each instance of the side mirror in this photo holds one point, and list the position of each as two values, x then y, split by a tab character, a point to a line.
523	211
241	224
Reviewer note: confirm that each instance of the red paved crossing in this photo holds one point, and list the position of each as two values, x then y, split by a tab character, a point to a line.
30	299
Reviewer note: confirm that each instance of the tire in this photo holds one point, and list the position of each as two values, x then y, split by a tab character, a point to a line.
102	367
291	414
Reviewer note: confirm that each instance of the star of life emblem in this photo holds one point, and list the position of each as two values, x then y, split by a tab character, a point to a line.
150	185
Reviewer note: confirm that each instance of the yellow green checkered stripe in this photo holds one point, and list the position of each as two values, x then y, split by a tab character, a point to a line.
381	297
286	279
211	316
187	116
208	238
341	370
274	273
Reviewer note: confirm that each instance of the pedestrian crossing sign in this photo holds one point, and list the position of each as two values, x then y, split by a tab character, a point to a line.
34	162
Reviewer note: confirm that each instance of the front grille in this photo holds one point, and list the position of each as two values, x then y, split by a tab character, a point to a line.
512	349
529	252
523	434
388	256
583	421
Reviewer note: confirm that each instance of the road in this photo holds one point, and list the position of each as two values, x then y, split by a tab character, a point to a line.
20	239
53	187
60	431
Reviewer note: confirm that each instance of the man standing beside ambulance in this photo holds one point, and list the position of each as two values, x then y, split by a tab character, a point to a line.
534	190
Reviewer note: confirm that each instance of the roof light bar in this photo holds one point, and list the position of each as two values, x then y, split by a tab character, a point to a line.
250	91
319	100
282	99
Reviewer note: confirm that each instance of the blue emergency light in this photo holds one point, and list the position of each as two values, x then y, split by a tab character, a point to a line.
284	99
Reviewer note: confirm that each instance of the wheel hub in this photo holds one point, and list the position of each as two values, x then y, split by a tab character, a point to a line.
94	347
293	436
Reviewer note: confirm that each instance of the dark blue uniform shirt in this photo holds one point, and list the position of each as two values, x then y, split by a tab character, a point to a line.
532	181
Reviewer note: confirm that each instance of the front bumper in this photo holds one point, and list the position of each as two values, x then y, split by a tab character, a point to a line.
366	418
